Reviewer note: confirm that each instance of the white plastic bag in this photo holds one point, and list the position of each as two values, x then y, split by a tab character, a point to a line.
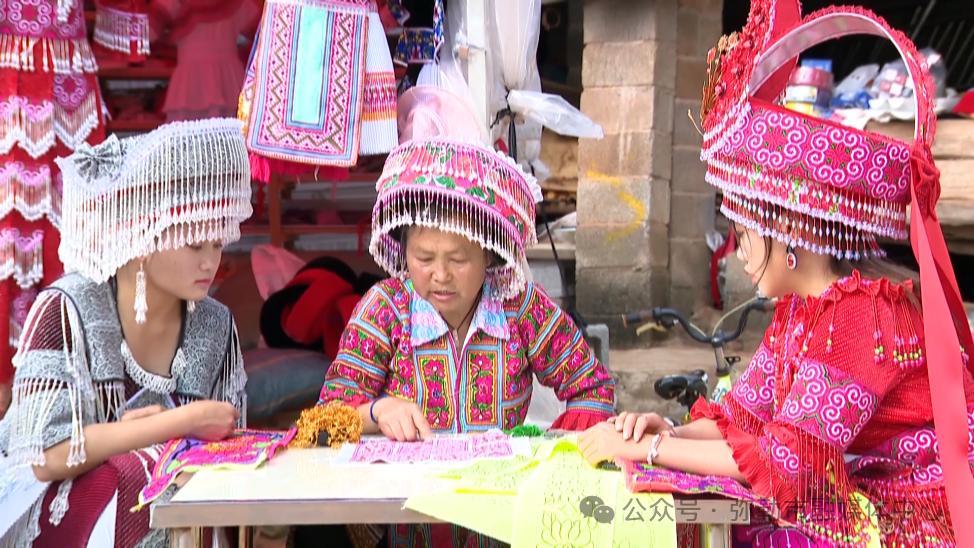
554	113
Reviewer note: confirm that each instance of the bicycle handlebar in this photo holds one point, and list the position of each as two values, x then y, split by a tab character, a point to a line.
668	317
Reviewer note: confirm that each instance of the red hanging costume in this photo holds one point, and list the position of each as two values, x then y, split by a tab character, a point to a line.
49	104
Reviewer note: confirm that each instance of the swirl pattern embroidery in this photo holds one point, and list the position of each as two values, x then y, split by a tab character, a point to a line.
755	389
828	405
802	148
30	16
782	457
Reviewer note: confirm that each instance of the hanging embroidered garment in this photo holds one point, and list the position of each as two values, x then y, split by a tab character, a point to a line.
49	105
320	88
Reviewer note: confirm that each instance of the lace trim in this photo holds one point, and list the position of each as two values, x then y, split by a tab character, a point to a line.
151	381
59	506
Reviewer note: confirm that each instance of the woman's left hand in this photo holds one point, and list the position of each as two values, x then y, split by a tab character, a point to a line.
603	442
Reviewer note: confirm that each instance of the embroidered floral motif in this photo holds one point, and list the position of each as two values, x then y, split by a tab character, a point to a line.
490	386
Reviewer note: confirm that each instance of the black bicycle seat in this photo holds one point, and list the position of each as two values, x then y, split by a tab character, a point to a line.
672	387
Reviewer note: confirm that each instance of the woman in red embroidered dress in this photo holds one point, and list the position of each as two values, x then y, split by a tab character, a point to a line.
857	392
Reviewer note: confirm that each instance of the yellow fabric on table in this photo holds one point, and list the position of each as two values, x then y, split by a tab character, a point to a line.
552	499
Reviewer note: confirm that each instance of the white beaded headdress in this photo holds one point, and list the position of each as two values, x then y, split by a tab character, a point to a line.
182	184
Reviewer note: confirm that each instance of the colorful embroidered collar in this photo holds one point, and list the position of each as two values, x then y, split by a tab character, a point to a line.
427	325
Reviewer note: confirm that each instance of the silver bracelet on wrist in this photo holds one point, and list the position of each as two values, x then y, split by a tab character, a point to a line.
653	452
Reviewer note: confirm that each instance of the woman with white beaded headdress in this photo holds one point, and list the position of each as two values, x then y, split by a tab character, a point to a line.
126	351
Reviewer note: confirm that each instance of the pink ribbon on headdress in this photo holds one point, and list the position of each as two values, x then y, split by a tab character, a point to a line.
945	333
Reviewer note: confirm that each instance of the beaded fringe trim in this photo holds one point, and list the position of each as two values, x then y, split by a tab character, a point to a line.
29	192
28	54
35	126
120	30
449	212
791	228
184	183
21	257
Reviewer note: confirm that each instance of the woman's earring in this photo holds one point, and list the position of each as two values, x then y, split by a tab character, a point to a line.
141	306
190	306
790	258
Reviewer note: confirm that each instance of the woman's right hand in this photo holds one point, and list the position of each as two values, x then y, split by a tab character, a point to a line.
209	420
634	425
401	420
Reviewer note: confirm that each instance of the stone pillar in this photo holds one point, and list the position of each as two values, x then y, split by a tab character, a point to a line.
692	199
628	77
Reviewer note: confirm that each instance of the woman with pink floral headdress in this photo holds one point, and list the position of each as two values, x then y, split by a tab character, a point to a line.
453	340
855	419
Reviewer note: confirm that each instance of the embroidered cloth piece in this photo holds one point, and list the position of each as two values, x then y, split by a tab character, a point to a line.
243	449
553	498
643	478
449	448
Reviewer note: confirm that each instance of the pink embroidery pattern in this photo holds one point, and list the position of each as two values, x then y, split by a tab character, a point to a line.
30	16
379	99
827	405
755	389
70	90
244	448
641	478
781	455
799	162
491	445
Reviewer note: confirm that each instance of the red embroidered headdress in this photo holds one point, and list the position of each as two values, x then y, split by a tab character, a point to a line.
831	189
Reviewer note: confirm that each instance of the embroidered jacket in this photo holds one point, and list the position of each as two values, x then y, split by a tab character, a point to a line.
398	345
74	370
836	402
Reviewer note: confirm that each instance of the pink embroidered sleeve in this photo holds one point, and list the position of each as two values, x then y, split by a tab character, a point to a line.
360	369
796	456
754	390
563	360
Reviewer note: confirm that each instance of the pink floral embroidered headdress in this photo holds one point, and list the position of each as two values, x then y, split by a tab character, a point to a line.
443	177
831	189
